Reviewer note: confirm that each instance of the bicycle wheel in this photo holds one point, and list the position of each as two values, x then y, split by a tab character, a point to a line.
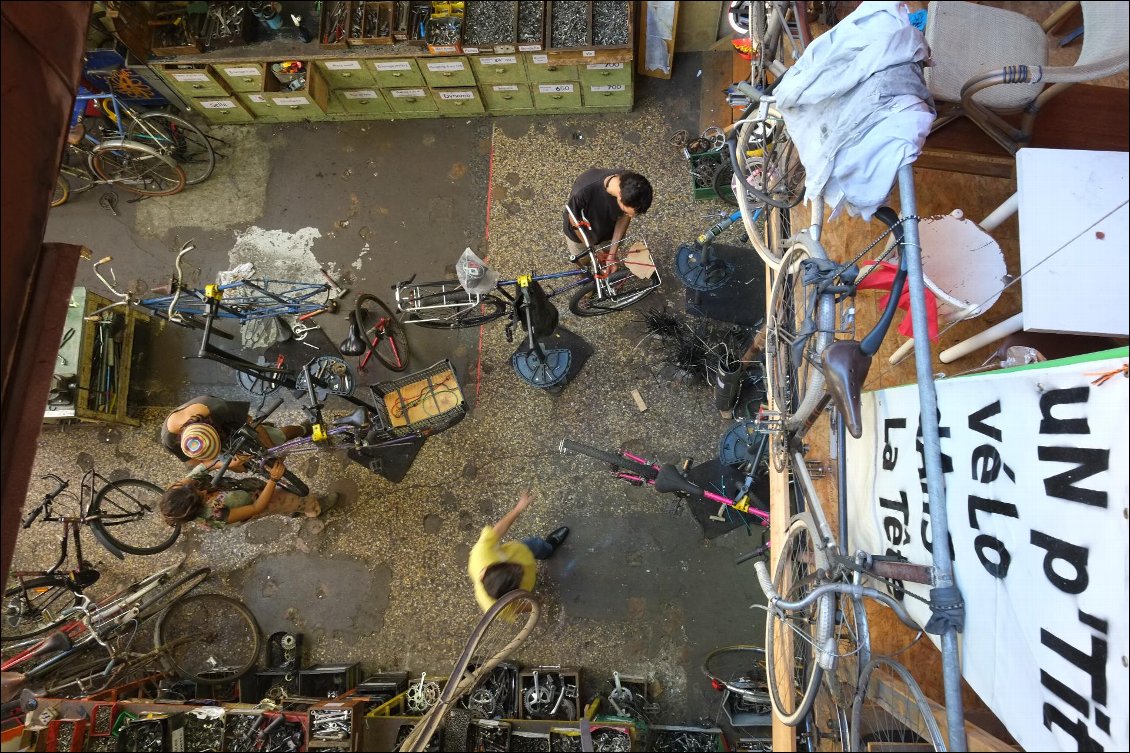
260	383
381	325
137	168
613	459
154	604
825	727
62	191
488	309
625	288
798	329
872	721
723	183
127	512
790	636
33	607
176	138
223	635
492	641
290	482
740	671
780	180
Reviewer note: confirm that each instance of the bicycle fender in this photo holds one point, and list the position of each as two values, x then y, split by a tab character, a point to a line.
104	540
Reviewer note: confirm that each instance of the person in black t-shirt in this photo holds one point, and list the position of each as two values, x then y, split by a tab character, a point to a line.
600	208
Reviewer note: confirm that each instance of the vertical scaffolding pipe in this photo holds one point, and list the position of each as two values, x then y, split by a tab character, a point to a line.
932	457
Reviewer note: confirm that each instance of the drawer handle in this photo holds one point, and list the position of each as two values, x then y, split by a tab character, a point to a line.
294	107
508	96
397	75
556	96
447	74
606	73
551	67
248	80
500	69
198	86
346	74
410	100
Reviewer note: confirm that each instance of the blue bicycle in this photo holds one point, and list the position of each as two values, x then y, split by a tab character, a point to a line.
600	288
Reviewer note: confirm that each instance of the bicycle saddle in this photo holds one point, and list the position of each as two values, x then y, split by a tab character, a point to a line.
670	480
358	418
352	345
845	369
57	641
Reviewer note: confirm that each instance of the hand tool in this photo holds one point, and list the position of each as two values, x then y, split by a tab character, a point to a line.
337	291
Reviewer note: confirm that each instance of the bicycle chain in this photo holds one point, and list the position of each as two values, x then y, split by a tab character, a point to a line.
840	270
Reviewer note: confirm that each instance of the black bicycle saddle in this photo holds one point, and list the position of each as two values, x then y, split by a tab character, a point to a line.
358	418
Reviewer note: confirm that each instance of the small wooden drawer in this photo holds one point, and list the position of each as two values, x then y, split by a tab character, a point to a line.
222	110
413	100
293	106
194	80
242	77
541	69
606	73
453	71
401	72
256	103
499	97
607	95
558	95
359	101
499	69
458	101
344	74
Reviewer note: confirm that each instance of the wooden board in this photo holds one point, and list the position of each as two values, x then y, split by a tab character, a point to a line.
424	399
641	59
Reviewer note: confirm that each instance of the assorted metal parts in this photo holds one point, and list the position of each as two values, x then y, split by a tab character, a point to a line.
531	22
611	739
496	696
334	27
490	735
549	696
684	739
204	731
610	23
486	24
224	24
422	695
330	724
570	25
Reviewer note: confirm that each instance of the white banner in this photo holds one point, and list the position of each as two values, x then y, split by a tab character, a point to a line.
1036	489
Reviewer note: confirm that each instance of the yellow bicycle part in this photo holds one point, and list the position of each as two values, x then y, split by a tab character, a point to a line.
524	281
318	433
213	292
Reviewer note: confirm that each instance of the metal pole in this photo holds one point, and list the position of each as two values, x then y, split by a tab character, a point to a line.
932	457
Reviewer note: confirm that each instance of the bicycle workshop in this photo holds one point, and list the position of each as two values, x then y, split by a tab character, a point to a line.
543	376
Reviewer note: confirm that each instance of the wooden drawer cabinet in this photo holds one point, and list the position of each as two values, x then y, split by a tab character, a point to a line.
194	81
606	73
557	96
606	95
458	101
222	110
501	97
447	71
403	72
540	69
499	69
410	101
242	77
341	74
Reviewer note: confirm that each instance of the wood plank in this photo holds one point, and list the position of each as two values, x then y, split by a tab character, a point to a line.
713	109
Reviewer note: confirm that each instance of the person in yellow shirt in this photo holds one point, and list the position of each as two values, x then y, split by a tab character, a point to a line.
498	567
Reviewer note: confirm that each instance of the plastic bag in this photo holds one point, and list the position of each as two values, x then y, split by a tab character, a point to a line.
474	275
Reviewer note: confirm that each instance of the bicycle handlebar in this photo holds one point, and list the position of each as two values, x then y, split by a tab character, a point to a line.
47	499
98	274
581	255
188	246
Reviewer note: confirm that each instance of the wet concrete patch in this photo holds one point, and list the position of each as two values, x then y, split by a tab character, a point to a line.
317	594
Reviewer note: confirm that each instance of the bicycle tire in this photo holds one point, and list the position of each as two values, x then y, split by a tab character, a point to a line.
155	604
186	144
792	351
627	290
225	638
486	648
49	591
386	329
136	168
137	512
723	184
789	637
486	310
825	726
290	481
613	459
869	712
780	183
738	665
61	193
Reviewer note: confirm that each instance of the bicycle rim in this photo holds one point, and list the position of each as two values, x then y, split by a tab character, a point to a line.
62	191
383	332
34	607
625	290
505	627
790	635
137	168
128	513
488	309
825	727
223	638
178	139
154	604
741	667
874	727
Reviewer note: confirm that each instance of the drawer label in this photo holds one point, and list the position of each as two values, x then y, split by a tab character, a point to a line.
290	101
445	48
540	58
343	65
191	77
218	104
555	88
394	65
456	95
609	88
360	94
605	66
258	98
499	60
588	53
408	93
243	71
446	66
505	87
471	50
529	48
